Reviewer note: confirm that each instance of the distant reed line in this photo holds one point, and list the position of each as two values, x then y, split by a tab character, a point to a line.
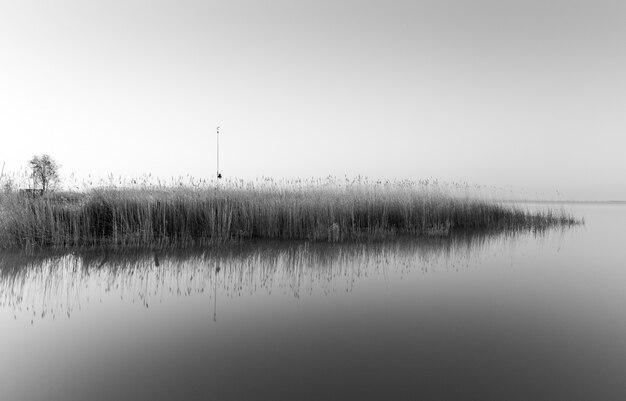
184	216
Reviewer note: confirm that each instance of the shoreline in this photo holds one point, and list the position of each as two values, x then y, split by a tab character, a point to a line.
185	216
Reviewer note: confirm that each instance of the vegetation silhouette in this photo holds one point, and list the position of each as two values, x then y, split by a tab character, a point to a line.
184	215
44	171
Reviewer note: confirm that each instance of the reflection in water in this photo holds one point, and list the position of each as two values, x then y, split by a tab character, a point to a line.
44	285
523	318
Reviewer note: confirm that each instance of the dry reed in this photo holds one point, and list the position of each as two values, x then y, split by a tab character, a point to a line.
192	215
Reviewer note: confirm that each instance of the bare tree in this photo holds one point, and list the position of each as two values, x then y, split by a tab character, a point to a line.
44	171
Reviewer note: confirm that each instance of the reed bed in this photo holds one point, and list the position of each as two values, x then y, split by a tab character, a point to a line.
192	215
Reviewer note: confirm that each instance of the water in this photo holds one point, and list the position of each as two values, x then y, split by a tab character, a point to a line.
516	317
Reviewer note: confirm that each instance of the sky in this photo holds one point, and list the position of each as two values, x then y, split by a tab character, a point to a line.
529	96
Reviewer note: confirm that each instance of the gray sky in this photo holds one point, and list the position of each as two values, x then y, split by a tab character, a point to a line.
527	95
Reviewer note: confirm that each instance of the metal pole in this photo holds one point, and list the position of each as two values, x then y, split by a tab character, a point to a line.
217	270
218	152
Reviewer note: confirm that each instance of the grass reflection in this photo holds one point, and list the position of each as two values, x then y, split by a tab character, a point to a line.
45	285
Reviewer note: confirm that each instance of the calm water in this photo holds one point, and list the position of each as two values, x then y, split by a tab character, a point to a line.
517	317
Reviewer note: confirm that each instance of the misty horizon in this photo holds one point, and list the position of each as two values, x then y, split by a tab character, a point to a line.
519	95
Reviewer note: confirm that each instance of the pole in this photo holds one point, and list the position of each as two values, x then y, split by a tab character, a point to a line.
217	270
218	153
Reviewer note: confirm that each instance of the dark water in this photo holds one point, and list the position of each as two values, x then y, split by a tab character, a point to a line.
516	317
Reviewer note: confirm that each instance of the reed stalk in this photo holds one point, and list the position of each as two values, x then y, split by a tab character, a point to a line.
185	215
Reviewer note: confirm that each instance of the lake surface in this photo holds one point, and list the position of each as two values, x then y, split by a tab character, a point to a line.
533	316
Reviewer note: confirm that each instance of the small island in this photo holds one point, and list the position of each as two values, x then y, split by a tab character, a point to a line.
147	215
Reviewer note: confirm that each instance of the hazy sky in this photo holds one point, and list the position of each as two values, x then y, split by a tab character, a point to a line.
529	95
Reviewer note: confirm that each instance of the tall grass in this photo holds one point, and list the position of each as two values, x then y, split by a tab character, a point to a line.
191	215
